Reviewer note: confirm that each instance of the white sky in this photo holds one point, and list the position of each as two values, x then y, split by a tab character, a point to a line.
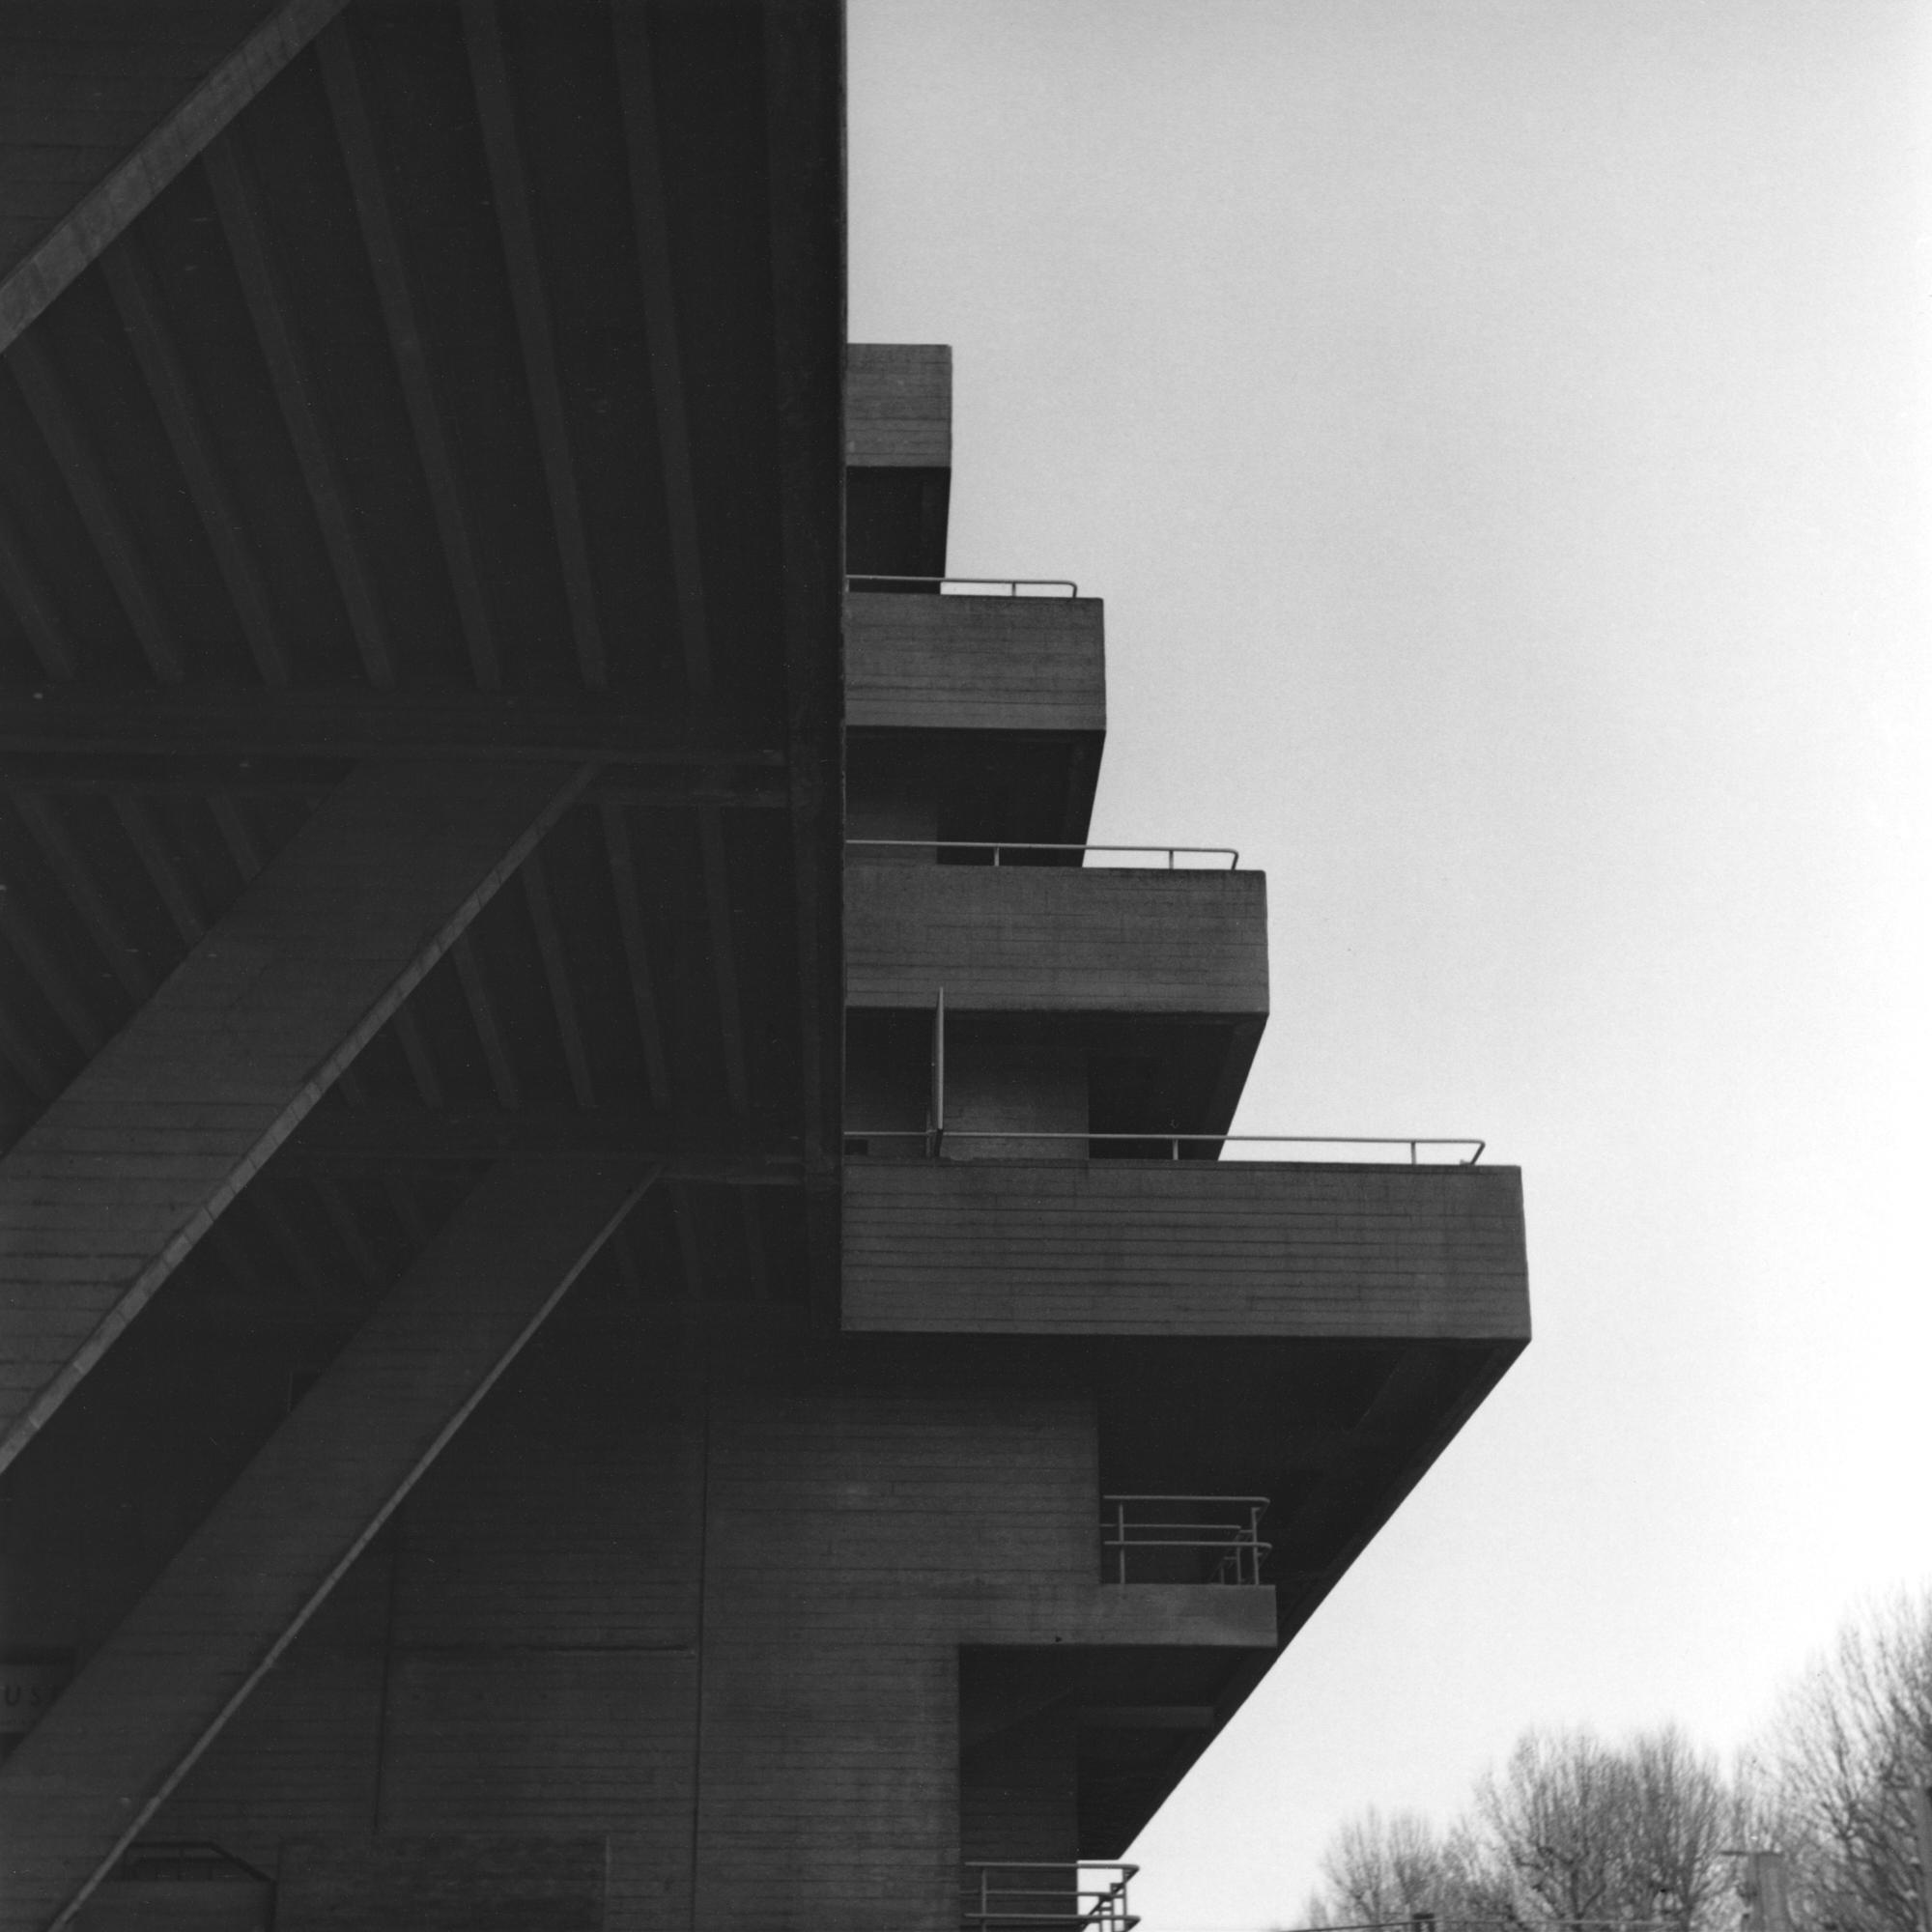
1500	434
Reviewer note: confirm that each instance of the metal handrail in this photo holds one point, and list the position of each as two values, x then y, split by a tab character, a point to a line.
1174	1141
1240	1541
1012	584
998	845
1080	1900
1246	1502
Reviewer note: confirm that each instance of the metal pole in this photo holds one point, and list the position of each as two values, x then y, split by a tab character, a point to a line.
939	1072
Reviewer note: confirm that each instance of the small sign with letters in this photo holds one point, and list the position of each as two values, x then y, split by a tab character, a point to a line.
30	1679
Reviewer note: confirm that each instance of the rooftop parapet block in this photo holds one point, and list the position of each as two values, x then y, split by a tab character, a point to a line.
975	663
1057	939
898	406
1191	1249
898	455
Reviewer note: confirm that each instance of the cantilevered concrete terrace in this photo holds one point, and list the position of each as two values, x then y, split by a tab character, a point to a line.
1187	1247
1055	939
972	717
1076	1000
975	663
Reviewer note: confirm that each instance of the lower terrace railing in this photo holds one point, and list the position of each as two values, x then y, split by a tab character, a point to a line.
1164	1146
996	846
1018	1897
1182	1538
1013	586
1157	1146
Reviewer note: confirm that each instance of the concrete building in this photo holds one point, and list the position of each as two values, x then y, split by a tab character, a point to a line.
610	1318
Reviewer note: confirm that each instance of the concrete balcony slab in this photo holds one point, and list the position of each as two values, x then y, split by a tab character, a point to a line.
898	405
1056	940
1185	1248
899	456
918	663
1206	1616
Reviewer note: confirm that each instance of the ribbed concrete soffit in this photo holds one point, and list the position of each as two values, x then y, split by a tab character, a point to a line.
132	1163
85	1782
56	217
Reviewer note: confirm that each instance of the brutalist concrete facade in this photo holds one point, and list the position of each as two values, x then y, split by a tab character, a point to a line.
623	1305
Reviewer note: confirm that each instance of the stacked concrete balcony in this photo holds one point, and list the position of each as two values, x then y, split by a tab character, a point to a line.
1046	1041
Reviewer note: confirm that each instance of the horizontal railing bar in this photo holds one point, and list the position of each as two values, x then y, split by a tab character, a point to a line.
1245	1527
1046	1908
1237	1536
998	845
1126	1872
1106	1911
1257	1550
1235	1539
1129	1496
1064	583
1156	1134
1068	1893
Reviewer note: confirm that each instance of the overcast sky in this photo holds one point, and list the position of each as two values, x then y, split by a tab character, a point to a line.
1500	434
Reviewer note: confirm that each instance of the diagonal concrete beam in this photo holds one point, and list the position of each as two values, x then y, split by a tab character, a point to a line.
86	1781
129	1167
128	188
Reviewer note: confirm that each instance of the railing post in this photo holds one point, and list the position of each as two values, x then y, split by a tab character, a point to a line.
1120	1536
936	1100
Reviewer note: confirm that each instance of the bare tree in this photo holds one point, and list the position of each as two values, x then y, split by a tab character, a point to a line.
1568	1829
1559	1814
1475	1887
1834	1779
1381	1869
1679	1810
